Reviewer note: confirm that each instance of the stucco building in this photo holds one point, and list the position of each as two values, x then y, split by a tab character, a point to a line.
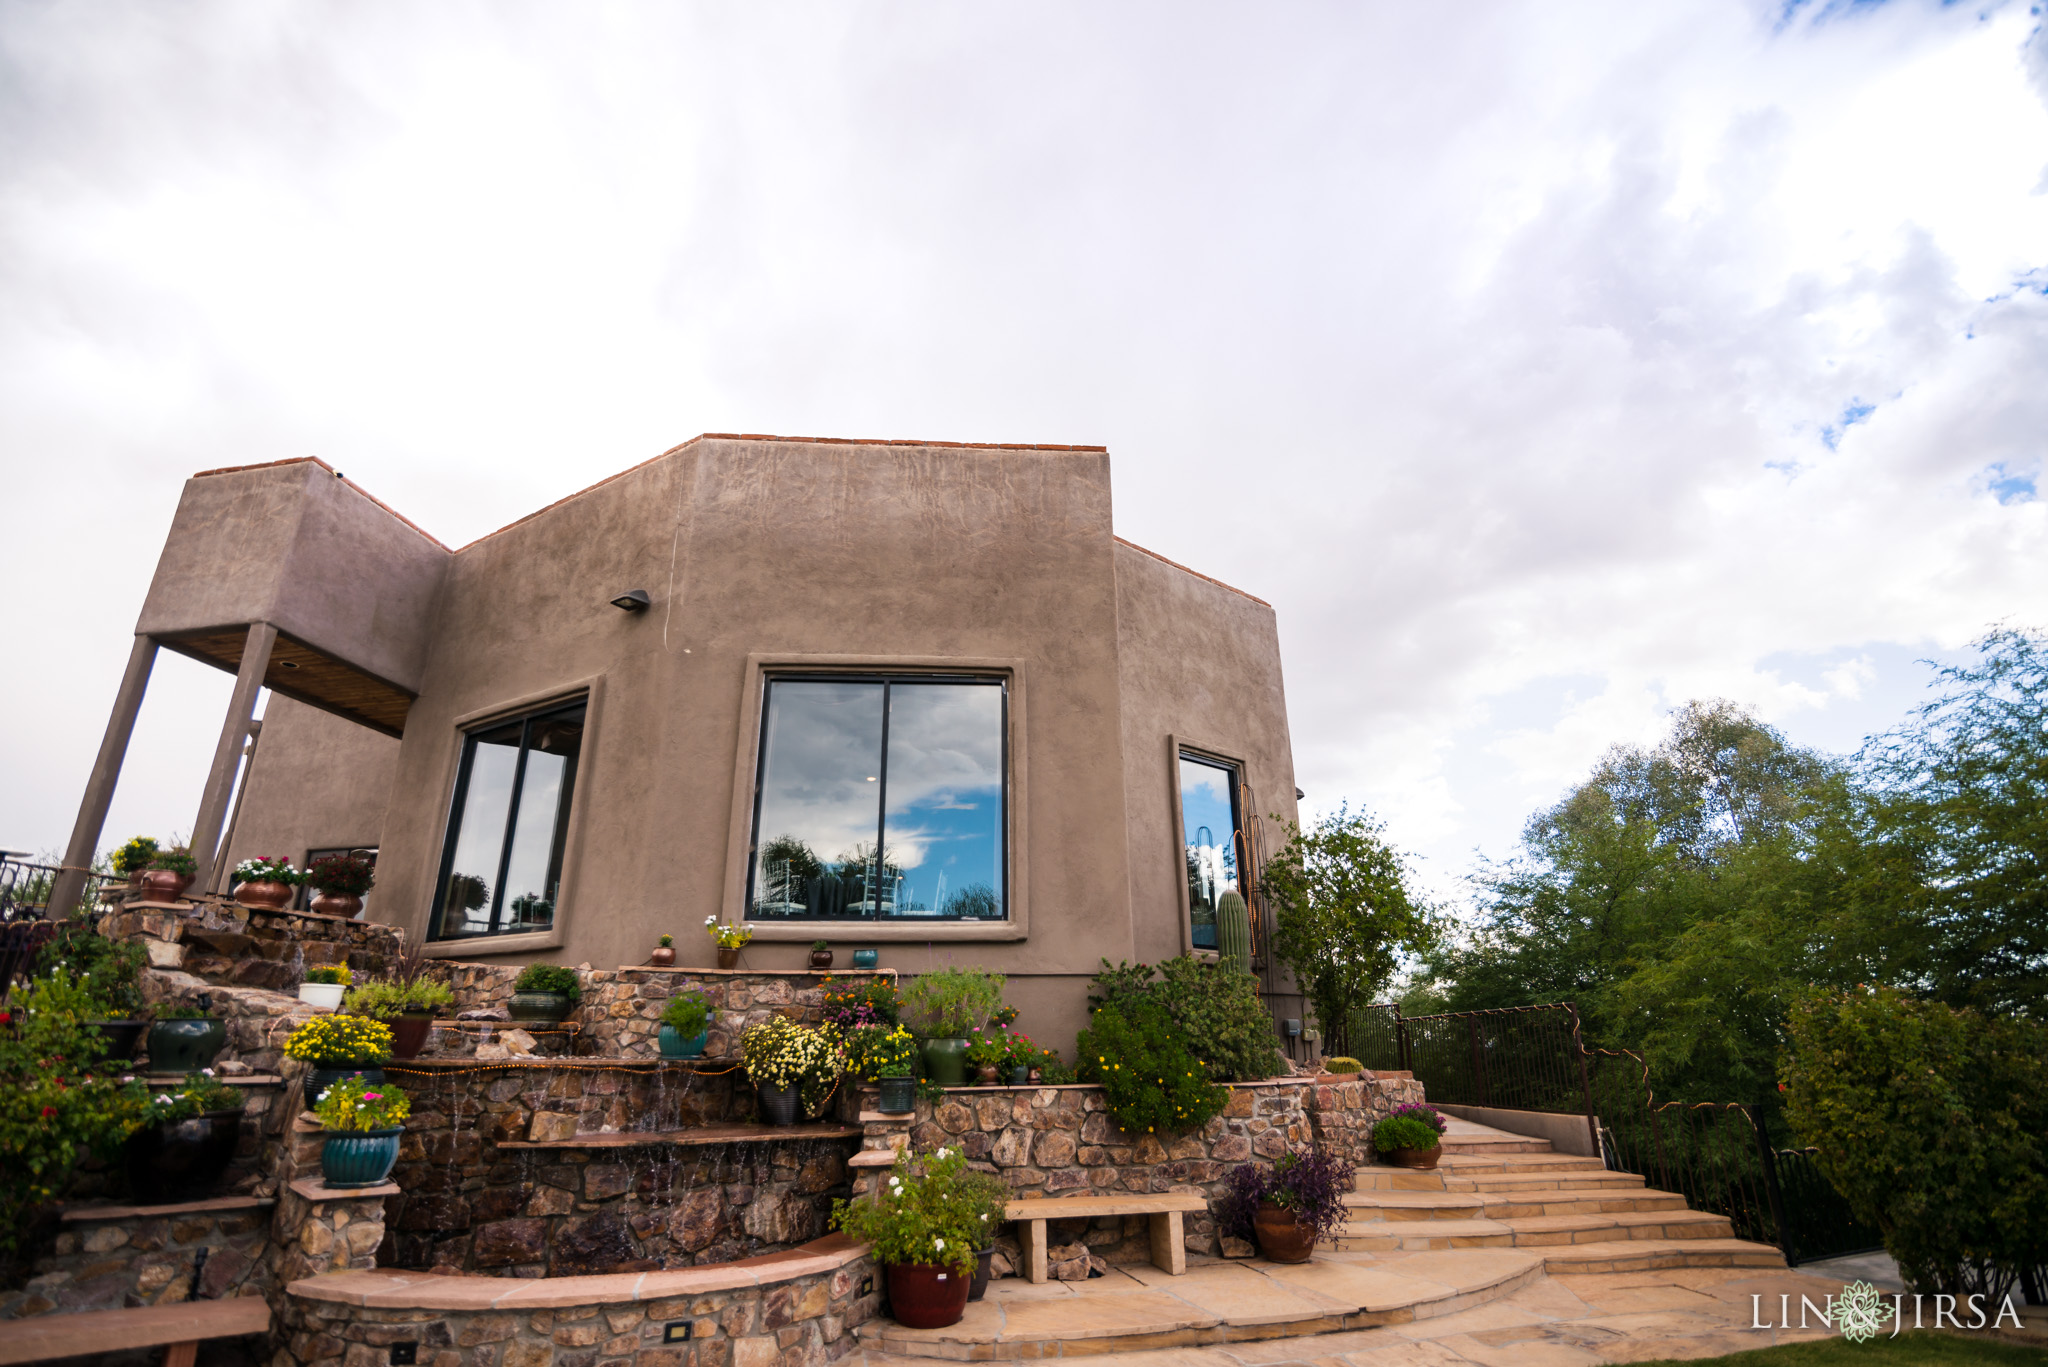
909	695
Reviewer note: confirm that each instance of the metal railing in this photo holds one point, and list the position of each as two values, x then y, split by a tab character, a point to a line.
1532	1058
25	889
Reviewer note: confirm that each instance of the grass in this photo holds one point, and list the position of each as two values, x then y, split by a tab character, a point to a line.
1914	1348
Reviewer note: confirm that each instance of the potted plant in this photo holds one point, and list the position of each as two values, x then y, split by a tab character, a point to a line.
185	1037
186	1140
1020	1058
131	861
1411	1136
339	882
685	1026
408	1007
924	1235
795	1068
109	977
664	954
545	992
988	1055
338	1047
893	1059
325	985
364	1121
874	1002
266	883
950	1004
821	954
1288	1205
729	939
170	873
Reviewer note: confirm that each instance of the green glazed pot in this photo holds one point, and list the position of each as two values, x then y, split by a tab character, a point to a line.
359	1158
540	1006
185	1046
899	1094
945	1061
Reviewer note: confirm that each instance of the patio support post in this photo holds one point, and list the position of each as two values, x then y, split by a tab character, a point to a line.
106	772
227	755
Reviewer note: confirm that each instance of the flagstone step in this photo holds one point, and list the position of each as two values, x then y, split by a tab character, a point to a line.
1361	1235
1490	1205
1649	1255
1139	1307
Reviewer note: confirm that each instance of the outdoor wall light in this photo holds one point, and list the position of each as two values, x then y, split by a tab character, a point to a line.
632	600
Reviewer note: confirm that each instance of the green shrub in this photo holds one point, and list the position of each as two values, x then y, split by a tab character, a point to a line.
925	1214
1933	1123
949	1003
110	973
549	978
1215	1009
687	1013
1154	1084
385	998
1342	1064
1403	1132
330	974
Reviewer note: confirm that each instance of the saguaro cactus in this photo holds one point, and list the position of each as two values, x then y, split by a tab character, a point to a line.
1234	932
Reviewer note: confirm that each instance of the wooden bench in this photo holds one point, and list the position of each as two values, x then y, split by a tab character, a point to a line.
1169	1252
179	1328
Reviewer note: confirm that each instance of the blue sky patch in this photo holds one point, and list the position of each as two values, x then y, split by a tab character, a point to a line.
2007	486
1856	412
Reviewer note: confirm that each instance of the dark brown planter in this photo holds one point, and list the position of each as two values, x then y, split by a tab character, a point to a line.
180	1160
977	1287
821	959
161	885
728	958
925	1297
409	1034
264	894
346	905
662	956
1414	1158
1281	1238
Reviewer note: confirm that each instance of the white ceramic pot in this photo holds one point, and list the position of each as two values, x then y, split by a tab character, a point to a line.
324	996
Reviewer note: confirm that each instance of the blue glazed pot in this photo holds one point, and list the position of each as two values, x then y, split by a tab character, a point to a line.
864	958
674	1045
359	1158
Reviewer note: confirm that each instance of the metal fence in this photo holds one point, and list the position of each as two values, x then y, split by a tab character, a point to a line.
25	889
1532	1058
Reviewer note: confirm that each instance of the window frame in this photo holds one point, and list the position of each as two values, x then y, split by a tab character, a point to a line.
761	669
590	692
1176	747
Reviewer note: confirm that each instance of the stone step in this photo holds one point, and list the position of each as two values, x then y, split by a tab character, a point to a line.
1538	1231
1474	1164
1420	1236
1571	1179
1649	1255
1450	1205
1214	1302
1496	1143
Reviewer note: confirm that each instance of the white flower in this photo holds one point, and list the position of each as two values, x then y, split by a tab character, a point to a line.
164	1098
207	1071
984	1217
939	1244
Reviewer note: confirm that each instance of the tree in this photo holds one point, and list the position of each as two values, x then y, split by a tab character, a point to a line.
1344	912
1933	1123
1967	804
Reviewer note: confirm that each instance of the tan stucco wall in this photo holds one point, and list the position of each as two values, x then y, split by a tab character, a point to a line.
318	782
771	551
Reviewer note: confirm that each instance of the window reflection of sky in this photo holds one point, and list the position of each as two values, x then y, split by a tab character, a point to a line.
1208	836
822	782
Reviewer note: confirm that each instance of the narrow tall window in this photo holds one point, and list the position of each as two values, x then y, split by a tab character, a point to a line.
1209	840
880	797
501	870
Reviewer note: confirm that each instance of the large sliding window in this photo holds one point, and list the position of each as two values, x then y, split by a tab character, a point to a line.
880	797
501	869
1210	841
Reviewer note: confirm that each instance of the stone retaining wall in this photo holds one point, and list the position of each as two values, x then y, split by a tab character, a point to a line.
115	1257
467	1204
798	1310
221	941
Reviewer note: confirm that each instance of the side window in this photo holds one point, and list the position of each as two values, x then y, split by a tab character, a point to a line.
501	868
1210	841
880	798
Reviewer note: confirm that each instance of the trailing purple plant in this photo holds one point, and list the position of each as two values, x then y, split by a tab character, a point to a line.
1307	1181
1416	1110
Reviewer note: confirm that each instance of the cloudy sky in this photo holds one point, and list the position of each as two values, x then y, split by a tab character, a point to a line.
1545	364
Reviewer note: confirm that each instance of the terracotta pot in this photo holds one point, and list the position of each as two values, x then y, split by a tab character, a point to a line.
346	905
1281	1237
264	894
661	956
409	1033
821	958
161	885
728	958
1414	1158
926	1297
986	1075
